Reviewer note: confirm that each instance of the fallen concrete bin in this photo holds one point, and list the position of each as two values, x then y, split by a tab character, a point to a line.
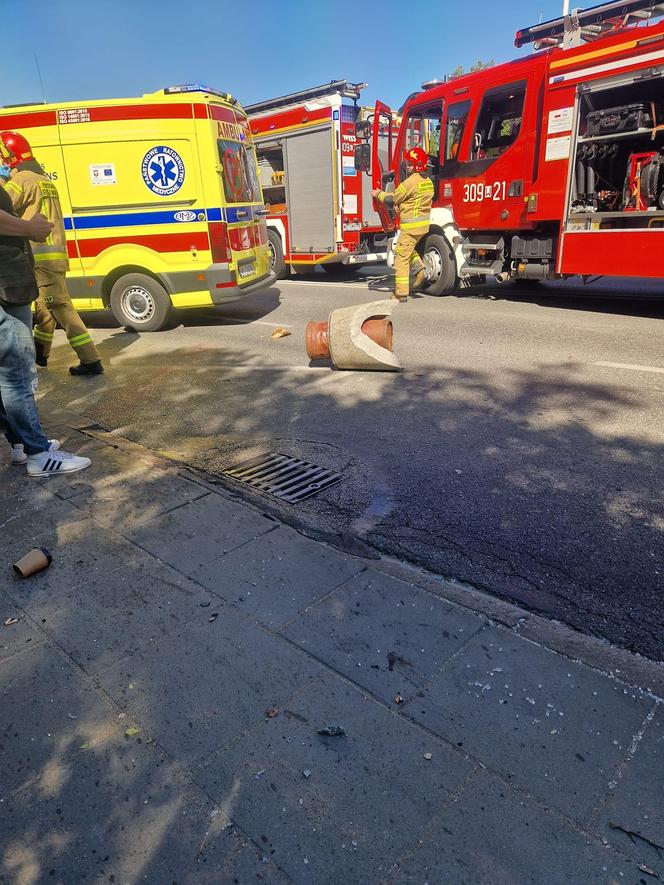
358	337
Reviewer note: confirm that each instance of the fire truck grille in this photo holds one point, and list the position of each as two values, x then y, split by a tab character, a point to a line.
288	479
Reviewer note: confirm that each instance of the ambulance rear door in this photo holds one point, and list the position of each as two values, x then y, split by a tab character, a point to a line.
241	197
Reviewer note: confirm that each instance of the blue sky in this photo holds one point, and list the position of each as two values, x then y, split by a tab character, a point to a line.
251	48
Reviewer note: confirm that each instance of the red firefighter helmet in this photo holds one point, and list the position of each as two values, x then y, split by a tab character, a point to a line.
417	158
17	147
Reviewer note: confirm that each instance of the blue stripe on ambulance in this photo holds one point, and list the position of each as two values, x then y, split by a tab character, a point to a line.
133	219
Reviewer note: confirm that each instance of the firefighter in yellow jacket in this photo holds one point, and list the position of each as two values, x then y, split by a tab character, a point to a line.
31	191
413	200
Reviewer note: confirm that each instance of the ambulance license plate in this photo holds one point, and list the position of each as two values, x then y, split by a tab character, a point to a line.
247	270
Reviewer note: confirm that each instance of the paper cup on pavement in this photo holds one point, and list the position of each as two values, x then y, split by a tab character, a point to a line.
37	559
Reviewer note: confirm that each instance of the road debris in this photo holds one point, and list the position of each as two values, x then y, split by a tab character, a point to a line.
35	560
132	731
332	731
213	617
259	774
280	332
393	658
398	699
306	772
9	621
428	756
272	712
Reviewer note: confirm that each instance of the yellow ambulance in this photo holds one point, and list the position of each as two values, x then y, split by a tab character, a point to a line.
161	197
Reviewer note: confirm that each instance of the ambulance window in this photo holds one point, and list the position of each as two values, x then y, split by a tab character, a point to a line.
240	177
457	117
423	130
499	121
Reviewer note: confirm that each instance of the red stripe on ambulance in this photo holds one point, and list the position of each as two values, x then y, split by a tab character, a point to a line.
29	121
157	242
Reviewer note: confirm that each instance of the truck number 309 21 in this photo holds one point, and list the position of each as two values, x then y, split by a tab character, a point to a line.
477	192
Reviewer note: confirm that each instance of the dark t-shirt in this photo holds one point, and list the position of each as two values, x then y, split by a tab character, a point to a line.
17	278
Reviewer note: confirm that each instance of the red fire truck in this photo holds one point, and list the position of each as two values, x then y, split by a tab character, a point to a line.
320	209
548	166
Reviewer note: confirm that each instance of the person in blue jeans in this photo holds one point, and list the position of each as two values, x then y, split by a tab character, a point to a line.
19	418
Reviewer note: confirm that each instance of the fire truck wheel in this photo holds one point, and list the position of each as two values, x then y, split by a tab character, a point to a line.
277	262
140	303
440	266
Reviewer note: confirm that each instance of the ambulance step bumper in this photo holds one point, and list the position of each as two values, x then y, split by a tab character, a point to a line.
218	281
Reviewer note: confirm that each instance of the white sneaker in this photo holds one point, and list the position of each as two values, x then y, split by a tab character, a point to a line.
54	462
19	457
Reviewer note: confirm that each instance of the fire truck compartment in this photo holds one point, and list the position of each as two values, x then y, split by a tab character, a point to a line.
295	173
616	179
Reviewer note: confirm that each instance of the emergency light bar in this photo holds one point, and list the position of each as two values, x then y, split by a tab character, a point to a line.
198	87
590	19
342	87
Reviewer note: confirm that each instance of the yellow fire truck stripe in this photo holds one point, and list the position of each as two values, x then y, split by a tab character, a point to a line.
598	53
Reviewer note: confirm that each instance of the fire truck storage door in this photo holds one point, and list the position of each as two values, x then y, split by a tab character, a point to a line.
309	191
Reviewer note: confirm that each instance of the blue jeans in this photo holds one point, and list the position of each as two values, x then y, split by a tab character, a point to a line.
19	420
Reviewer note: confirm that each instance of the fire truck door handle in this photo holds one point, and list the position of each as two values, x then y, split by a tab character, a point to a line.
516	188
261	212
242	213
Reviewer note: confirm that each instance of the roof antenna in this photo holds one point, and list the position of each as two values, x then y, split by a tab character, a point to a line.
41	82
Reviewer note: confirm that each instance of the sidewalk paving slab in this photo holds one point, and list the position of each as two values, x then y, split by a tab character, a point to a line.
82	551
48	712
122	811
103	621
19	637
277	575
199	532
199	686
492	835
384	634
632	820
369	796
549	725
127	503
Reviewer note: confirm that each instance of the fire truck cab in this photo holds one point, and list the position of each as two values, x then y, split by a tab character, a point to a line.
548	166
320	210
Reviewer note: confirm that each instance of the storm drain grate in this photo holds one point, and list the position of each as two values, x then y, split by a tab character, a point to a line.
289	479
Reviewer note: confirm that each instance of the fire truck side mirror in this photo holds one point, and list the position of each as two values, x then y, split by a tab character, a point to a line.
363	129
363	157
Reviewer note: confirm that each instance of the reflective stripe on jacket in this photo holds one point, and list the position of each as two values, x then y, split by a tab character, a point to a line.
30	193
413	199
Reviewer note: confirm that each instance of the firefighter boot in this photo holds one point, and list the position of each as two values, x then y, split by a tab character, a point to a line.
40	356
95	368
420	279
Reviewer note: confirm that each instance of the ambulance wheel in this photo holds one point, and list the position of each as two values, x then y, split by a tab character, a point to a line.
140	303
440	265
277	263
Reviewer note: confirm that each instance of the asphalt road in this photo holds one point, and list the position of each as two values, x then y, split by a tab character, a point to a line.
520	451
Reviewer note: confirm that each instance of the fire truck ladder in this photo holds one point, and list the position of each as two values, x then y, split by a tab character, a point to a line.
585	25
341	87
